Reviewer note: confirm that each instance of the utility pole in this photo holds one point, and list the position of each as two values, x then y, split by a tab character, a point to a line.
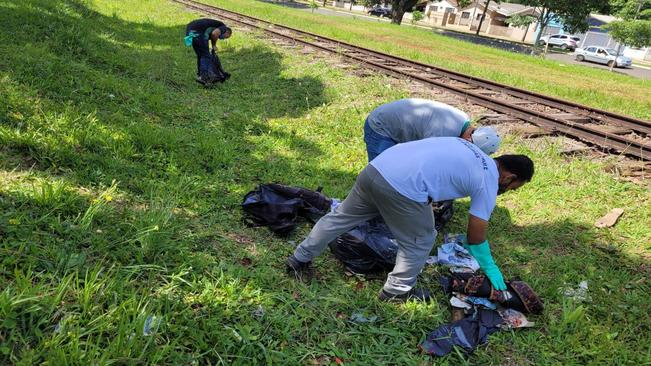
483	15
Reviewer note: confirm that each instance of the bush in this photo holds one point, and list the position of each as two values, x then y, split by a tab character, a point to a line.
417	16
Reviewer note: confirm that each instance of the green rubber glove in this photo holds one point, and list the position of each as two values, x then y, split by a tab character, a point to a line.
482	253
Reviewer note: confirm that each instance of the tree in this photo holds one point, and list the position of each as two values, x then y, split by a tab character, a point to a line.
572	13
521	21
636	33
631	9
398	9
416	16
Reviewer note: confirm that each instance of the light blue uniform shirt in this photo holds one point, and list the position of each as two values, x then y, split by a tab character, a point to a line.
415	119
441	168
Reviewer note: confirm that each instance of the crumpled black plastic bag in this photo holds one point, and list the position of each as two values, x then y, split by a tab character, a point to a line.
368	248
279	206
371	247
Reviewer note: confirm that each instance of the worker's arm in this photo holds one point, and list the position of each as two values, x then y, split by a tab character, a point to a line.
476	229
479	248
214	36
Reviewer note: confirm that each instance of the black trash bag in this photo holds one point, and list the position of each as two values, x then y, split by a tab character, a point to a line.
279	207
443	211
368	248
216	73
217	67
371	247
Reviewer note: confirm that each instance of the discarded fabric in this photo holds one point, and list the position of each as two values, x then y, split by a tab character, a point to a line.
458	303
467	333
473	300
454	255
519	295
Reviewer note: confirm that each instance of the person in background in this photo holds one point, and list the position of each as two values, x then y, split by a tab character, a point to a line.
198	34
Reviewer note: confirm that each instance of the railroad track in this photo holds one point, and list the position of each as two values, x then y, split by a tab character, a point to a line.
604	130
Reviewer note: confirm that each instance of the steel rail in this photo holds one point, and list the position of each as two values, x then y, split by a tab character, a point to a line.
581	131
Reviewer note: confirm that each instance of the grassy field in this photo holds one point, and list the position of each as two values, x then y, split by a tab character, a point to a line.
598	88
120	233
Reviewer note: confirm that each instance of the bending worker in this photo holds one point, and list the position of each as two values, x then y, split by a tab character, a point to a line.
198	33
398	184
416	119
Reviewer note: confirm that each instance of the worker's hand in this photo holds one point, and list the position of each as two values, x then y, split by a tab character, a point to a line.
482	253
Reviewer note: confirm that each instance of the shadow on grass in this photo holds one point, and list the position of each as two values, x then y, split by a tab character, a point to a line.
121	104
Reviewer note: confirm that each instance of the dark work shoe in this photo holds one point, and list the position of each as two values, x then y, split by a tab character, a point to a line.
302	271
416	294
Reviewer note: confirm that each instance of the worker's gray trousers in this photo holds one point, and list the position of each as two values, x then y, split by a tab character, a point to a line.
412	224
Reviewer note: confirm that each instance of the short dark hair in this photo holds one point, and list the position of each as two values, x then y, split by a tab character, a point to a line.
520	165
224	29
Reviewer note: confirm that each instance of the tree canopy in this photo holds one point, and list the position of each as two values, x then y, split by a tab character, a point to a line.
636	33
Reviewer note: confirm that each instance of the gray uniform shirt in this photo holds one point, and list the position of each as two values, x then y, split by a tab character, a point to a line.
416	119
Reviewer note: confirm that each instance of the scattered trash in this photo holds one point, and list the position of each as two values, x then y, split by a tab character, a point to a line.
368	248
151	325
320	361
458	303
360	285
473	300
235	333
580	294
514	319
359	317
279	206
610	219
340	315
454	255
458	314
467	333
258	312
519	295
246	261
334	204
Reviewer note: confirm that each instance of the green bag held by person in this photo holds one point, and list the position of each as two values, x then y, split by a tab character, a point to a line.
188	39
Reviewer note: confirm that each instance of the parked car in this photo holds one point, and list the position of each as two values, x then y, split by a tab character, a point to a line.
563	41
602	55
379	11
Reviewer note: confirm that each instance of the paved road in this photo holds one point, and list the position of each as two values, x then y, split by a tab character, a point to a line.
635	71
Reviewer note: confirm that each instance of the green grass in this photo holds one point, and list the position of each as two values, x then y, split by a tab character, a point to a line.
120	184
597	88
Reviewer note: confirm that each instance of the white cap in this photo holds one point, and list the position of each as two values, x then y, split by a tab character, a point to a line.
487	139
